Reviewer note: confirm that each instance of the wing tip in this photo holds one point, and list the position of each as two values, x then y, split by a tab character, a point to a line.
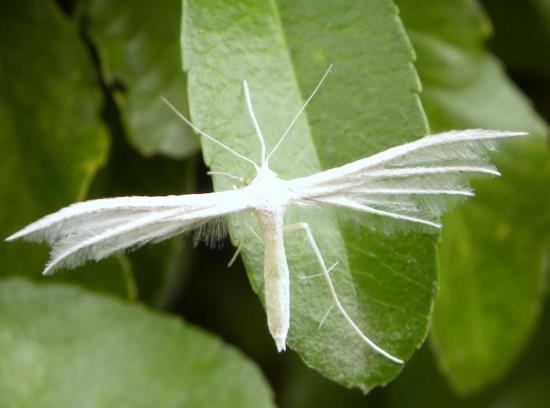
485	133
496	133
511	133
16	235
28	233
49	269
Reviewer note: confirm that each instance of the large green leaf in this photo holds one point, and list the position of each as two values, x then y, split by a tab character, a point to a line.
368	104
493	247
139	50
50	134
63	347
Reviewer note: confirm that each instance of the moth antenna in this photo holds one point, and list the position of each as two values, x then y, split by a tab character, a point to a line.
192	126
259	133
223	173
299	113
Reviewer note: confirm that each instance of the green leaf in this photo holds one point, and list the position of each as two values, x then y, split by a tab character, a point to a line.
492	248
368	104
305	388
139	51
51	136
63	347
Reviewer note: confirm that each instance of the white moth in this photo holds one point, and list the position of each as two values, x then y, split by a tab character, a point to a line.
408	184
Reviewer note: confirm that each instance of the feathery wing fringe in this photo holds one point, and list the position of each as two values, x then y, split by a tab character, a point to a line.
98	228
414	182
99	214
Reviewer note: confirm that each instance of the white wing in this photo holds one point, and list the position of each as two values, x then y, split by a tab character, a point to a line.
98	228
414	182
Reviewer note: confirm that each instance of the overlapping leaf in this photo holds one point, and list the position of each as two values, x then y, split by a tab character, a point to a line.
139	50
493	247
63	347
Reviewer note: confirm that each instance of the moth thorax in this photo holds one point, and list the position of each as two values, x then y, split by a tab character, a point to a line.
271	194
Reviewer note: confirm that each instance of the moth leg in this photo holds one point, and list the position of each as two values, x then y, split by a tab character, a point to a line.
226	174
235	255
317	275
240	247
304	226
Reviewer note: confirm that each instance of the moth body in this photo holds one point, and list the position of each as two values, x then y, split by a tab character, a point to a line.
271	197
276	276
